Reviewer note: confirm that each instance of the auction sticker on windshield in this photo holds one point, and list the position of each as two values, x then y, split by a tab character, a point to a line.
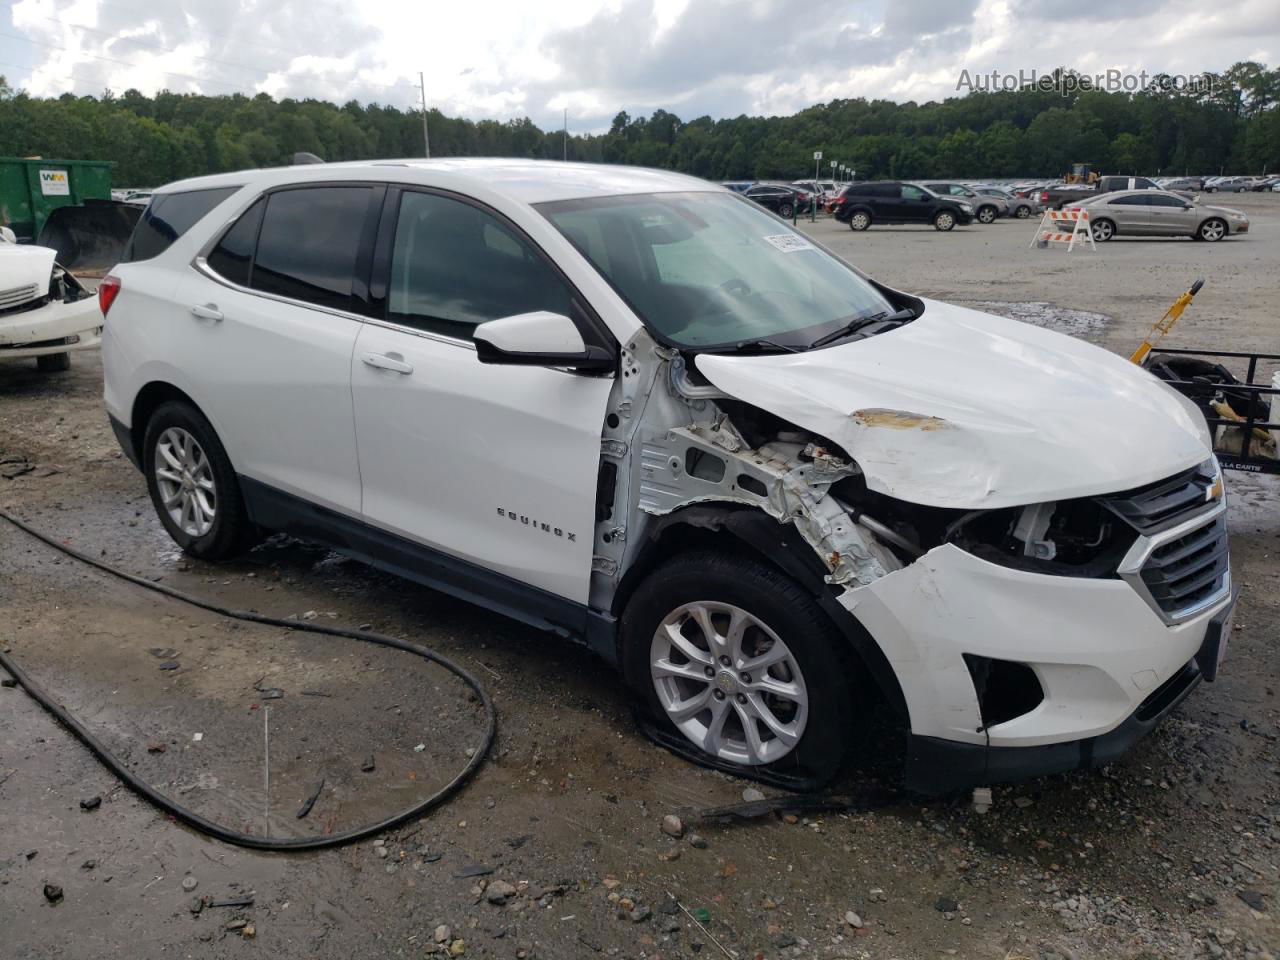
789	242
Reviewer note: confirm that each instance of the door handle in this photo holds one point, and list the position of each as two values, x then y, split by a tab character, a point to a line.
385	362
206	311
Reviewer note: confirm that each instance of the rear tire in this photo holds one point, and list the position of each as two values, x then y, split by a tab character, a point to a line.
944	221
859	221
1022	213
53	362
193	485
786	211
1102	230
804	729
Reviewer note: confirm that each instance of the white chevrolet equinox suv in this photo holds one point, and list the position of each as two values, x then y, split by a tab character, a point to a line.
641	412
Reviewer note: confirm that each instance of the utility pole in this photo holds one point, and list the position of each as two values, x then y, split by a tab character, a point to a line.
426	137
566	133
817	172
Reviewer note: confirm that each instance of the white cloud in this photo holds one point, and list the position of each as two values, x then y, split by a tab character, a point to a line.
507	58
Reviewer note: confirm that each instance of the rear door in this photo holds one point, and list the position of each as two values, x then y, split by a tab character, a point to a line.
270	320
492	465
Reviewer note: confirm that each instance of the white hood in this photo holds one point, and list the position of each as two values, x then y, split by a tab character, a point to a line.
24	264
963	409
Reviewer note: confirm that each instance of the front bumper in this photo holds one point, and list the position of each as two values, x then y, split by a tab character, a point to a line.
54	328
938	767
1107	663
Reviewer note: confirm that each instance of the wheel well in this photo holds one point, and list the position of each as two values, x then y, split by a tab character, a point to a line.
750	532
148	400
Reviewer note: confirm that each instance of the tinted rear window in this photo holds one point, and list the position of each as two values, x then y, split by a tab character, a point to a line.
233	255
168	217
308	244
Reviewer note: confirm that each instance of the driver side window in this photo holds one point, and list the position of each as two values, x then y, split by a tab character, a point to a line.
454	266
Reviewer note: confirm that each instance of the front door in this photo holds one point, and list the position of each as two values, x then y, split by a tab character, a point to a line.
1171	215
913	204
492	465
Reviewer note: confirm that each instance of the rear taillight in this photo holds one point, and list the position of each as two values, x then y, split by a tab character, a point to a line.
108	289
1044	196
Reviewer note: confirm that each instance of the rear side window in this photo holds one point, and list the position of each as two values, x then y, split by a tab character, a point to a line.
233	256
454	266
167	217
308	245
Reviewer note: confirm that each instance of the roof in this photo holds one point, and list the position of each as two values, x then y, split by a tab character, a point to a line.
526	181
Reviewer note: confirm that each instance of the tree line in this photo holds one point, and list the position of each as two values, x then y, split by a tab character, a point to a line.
1230	124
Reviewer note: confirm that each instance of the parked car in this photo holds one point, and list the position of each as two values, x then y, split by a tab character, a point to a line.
804	198
1181	184
45	312
1227	185
642	413
1015	206
986	209
824	190
783	201
1260	184
1157	213
892	201
1054	197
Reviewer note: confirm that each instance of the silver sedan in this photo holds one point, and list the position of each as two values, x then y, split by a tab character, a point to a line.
1157	213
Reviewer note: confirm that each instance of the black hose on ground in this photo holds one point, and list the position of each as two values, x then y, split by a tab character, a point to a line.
193	819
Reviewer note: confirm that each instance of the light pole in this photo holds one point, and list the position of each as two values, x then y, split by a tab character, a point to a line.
813	202
426	137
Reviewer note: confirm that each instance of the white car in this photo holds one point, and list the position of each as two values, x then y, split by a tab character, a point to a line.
641	412
44	311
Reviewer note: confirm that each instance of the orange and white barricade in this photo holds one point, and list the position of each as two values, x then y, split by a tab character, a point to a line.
1064	226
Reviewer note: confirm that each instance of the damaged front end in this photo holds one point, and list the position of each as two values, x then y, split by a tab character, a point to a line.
1021	627
44	309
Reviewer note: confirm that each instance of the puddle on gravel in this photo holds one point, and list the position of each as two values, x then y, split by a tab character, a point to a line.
1078	323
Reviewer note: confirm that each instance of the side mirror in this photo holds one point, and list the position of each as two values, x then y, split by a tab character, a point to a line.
541	339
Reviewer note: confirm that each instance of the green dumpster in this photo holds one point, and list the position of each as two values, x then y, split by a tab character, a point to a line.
32	187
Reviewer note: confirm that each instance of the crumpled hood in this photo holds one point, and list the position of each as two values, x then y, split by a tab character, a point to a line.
964	409
24	264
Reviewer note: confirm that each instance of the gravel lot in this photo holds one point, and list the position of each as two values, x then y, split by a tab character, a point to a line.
1173	853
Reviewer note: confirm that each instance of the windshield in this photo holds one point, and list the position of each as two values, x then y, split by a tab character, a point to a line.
712	270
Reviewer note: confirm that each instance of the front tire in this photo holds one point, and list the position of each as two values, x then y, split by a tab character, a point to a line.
53	362
193	486
1212	230
987	214
739	660
944	221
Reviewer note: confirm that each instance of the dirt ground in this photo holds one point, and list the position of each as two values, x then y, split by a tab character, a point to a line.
1172	853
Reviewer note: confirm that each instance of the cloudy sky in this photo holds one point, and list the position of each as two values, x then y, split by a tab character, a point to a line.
509	58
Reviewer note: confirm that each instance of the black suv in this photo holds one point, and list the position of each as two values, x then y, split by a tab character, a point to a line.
892	201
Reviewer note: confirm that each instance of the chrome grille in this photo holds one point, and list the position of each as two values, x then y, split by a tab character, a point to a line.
1179	563
15	296
1182	573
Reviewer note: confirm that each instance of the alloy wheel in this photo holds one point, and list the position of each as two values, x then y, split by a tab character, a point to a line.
728	683
986	215
859	221
944	221
1213	230
1102	231
184	477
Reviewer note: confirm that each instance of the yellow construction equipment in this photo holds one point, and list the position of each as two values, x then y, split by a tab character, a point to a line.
1165	323
1080	173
